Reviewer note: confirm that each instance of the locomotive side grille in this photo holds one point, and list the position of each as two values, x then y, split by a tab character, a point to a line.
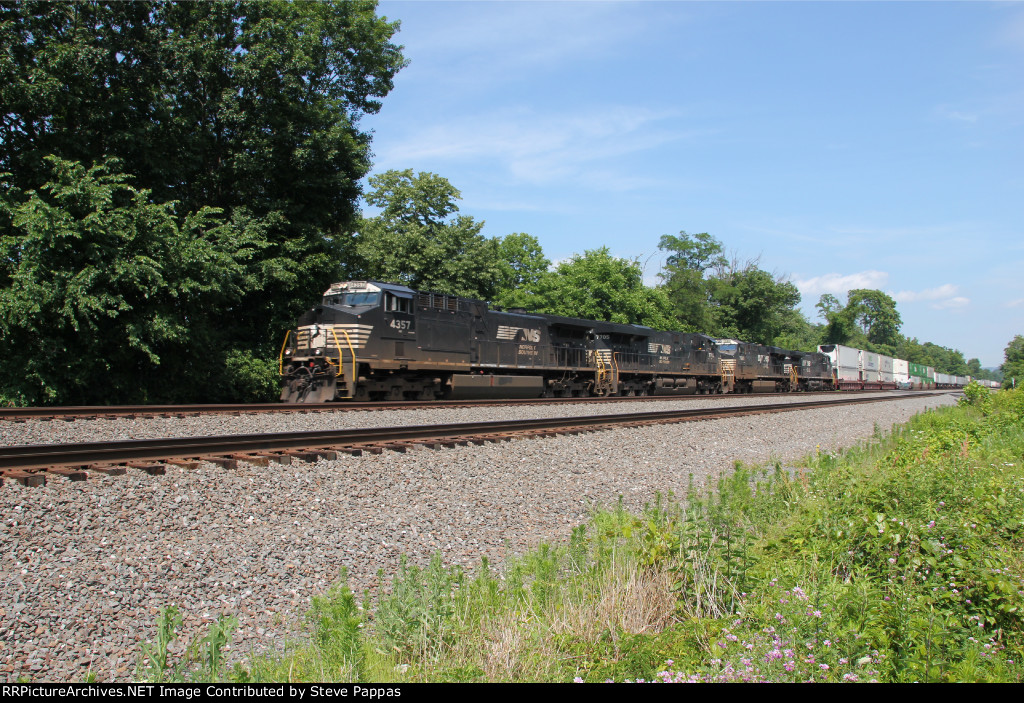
439	301
316	336
729	365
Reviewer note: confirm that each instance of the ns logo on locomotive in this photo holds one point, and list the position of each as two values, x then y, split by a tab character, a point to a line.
370	340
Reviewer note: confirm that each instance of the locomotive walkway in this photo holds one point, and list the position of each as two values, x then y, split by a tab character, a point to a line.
33	464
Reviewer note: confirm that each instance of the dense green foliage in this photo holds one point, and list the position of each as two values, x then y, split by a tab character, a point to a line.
869	316
1013	367
235	123
689	258
896	561
752	305
720	298
524	270
106	292
599	286
419	238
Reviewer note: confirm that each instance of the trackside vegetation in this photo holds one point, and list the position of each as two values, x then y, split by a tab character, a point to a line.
898	560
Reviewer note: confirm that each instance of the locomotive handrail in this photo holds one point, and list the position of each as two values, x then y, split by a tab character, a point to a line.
341	359
280	357
351	350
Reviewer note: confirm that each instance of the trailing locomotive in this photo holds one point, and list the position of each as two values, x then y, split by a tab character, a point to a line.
370	340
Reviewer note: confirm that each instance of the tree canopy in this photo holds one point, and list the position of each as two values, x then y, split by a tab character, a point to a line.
106	293
1013	366
683	277
237	115
524	270
599	286
419	238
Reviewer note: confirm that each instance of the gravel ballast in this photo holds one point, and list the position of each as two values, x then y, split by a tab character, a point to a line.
88	565
101	430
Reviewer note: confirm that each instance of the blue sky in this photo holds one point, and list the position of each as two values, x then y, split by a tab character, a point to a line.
848	145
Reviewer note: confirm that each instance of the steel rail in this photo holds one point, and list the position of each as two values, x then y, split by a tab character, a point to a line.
20	457
109	411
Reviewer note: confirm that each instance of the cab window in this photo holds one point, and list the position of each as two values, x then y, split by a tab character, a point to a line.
393	303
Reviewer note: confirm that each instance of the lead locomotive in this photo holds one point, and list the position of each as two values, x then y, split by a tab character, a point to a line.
369	340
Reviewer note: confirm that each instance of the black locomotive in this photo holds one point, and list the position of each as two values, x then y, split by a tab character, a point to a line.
369	340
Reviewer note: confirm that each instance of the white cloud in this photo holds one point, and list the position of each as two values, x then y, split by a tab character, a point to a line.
583	146
952	304
838	284
1015	303
475	44
947	290
948	113
946	295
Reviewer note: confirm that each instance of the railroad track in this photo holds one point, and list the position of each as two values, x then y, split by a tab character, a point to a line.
92	412
32	464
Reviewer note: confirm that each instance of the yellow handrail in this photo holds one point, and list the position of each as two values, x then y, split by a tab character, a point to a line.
280	357
351	349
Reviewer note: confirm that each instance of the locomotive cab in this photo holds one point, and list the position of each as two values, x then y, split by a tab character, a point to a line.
335	339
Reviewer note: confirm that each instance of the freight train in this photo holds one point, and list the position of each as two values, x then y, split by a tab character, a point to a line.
370	340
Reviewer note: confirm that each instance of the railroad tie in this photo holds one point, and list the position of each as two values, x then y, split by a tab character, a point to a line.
151	468
107	469
351	451
187	464
311	456
68	473
26	478
262	459
221	461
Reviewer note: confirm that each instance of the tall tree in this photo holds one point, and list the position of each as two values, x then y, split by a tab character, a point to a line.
689	258
839	327
106	292
1013	366
420	239
251	108
752	305
875	313
599	286
524	270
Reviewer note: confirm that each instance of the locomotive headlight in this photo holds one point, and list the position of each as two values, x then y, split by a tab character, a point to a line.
319	352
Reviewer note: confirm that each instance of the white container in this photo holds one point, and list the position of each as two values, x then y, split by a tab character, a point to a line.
845	373
870	362
901	370
841	356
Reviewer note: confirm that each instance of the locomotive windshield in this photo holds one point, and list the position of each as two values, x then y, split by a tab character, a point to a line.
351	300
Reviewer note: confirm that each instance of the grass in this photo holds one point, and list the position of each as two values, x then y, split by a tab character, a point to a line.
898	560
